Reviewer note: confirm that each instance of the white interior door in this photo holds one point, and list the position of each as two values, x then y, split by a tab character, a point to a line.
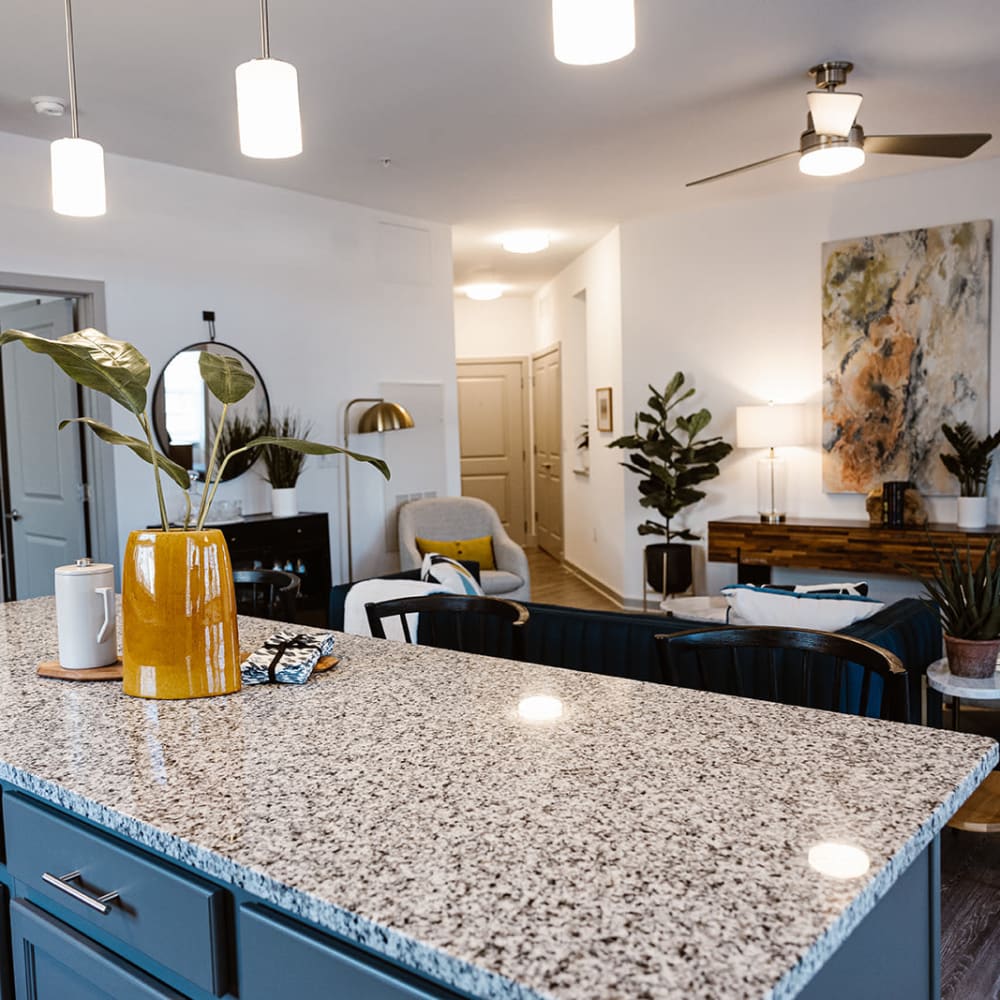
45	495
491	426
546	377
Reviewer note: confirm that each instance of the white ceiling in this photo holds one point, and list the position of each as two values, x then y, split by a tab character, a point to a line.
485	129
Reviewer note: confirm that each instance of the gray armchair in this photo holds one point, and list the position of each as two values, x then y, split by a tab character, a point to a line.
454	518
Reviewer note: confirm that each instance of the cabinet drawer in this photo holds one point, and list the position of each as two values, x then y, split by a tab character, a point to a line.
175	918
55	962
280	957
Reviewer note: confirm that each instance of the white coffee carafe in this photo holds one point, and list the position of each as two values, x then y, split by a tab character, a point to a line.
85	615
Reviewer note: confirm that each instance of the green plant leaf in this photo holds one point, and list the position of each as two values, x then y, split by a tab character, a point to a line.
139	447
95	361
225	377
313	448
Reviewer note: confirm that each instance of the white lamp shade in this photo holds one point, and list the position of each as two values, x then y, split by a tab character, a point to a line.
829	161
833	113
588	32
267	105
78	178
771	426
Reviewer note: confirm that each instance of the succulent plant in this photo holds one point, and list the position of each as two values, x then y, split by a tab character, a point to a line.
966	595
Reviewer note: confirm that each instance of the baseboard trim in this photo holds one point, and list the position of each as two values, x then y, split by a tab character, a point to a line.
602	588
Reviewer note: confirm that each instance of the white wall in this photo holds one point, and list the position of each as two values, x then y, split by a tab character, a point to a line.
329	300
502	328
582	310
731	296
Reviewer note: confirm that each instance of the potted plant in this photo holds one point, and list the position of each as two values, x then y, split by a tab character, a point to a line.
284	466
583	446
968	600
970	465
672	458
179	632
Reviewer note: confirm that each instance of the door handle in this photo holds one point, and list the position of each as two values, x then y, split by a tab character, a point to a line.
13	515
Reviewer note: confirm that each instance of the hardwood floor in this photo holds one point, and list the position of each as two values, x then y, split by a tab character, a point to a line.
970	862
552	583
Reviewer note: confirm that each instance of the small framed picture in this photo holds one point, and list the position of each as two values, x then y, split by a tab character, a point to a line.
604	421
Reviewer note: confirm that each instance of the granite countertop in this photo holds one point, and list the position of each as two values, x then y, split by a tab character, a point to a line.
651	842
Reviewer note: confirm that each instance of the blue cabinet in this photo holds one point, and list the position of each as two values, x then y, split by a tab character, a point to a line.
55	962
281	957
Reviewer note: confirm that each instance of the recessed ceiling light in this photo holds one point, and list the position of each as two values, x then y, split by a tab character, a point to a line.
525	241
485	291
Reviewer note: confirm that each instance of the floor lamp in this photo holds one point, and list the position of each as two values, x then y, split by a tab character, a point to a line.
770	427
379	418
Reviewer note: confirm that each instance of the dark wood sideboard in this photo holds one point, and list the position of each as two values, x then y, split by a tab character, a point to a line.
849	546
300	544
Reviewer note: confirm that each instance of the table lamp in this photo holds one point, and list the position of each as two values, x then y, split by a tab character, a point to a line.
770	427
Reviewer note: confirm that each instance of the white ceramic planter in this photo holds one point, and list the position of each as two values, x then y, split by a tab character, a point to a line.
972	512
284	503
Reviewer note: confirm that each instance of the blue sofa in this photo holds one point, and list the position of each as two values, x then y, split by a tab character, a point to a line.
619	644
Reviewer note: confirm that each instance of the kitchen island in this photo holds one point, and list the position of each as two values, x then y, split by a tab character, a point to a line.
649	842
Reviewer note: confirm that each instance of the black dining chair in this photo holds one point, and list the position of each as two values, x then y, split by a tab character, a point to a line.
791	666
266	593
491	626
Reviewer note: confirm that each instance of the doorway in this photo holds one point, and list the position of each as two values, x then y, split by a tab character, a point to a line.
57	495
546	380
493	429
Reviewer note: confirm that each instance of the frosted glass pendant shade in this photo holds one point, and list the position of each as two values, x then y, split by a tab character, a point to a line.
588	32
78	178
833	113
267	105
831	161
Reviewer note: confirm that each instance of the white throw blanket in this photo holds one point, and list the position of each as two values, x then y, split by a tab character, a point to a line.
376	591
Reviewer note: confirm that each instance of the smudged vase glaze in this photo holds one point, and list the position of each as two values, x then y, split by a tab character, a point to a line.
179	632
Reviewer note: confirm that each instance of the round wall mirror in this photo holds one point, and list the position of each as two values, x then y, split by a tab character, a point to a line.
186	415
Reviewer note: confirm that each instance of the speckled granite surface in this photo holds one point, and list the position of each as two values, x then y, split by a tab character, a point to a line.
650	843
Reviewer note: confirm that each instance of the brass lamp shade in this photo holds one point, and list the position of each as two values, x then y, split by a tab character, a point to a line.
383	417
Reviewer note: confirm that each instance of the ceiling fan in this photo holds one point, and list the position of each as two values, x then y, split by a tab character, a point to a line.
834	142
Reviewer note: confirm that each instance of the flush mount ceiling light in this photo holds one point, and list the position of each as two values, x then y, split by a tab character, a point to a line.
589	32
267	103
525	241
77	164
485	291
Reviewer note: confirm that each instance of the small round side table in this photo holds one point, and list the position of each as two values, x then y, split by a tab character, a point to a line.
981	813
942	679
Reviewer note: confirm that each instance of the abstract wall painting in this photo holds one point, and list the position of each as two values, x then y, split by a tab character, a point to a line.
906	327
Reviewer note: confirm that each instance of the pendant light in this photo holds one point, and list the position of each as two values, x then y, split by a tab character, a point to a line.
77	164
588	32
267	103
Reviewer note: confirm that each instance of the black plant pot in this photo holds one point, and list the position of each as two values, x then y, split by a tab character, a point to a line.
679	574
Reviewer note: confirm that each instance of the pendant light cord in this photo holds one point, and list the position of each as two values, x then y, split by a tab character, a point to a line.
265	41
71	63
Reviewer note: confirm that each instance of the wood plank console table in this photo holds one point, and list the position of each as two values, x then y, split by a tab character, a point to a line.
850	546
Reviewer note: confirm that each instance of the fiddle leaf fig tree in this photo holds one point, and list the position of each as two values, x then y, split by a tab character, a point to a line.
671	457
120	371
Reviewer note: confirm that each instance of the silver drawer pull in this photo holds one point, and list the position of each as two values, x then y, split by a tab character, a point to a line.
62	883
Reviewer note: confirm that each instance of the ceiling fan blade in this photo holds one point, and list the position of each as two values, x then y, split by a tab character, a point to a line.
956	144
740	170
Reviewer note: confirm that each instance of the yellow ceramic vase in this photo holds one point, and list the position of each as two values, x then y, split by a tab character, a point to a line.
179	634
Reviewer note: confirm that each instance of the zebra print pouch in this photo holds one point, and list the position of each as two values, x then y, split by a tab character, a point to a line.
286	658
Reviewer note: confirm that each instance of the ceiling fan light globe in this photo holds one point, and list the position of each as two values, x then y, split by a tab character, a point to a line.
830	161
590	32
833	113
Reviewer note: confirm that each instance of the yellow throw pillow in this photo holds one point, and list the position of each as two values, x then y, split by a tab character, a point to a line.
478	550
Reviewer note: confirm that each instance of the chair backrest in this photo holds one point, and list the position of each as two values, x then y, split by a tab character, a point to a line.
443	519
491	626
790	666
266	593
